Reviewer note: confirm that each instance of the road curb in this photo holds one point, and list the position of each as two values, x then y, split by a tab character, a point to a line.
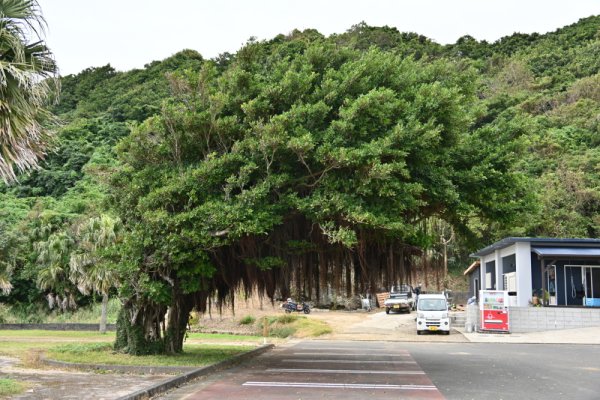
177	381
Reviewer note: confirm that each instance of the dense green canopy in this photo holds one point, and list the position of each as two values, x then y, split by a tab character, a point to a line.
317	166
305	166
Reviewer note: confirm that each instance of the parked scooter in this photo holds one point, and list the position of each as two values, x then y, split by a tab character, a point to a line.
290	306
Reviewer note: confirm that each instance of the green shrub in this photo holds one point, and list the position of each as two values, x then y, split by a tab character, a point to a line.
282	331
5	313
28	314
247	320
90	314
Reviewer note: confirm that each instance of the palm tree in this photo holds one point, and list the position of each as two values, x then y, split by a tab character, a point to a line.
5	284
90	271
28	74
8	256
53	261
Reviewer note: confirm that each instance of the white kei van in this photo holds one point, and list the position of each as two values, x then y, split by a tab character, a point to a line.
432	314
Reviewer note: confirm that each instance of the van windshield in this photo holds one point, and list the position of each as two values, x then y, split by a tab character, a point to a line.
432	305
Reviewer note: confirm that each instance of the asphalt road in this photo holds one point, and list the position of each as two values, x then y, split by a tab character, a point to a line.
510	371
400	370
320	370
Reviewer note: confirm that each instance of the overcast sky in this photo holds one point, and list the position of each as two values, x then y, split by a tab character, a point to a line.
130	33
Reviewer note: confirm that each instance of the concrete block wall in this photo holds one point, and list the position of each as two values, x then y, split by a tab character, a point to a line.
472	317
532	319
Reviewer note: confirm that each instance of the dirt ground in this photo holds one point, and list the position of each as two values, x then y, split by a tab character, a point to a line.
346	325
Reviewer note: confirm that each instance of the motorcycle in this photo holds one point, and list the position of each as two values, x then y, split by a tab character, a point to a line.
290	307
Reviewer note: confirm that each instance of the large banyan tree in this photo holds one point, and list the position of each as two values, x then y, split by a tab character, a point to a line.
298	167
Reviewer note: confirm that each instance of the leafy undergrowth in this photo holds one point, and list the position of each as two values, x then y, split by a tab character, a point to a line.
9	387
41	315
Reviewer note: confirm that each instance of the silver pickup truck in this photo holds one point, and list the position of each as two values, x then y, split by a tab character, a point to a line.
401	299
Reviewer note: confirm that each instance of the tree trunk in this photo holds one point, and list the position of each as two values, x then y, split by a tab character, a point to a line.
177	326
445	260
137	331
104	311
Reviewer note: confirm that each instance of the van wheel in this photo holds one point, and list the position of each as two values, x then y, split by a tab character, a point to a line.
419	332
446	332
387	310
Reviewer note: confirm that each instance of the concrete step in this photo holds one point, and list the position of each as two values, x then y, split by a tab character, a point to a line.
458	318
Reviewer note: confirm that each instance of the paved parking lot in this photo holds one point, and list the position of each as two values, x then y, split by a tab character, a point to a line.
320	370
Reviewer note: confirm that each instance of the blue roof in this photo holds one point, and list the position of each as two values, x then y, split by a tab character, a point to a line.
567	251
550	242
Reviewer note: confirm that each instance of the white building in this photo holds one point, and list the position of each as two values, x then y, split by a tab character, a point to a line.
560	272
552	283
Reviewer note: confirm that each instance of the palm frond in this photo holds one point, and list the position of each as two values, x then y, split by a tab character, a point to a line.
28	75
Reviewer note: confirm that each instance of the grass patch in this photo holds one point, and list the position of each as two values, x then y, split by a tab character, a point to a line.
9	387
308	327
282	331
283	326
19	343
86	347
288	318
223	337
247	320
194	355
81	348
37	333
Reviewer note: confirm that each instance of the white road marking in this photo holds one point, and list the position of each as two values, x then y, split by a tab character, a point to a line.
348	354
340	385
344	371
303	360
310	348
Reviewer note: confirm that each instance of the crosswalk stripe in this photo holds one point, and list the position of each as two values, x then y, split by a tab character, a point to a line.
303	353
311	348
344	371
303	360
340	385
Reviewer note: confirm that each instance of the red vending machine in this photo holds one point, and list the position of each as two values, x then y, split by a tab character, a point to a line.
493	305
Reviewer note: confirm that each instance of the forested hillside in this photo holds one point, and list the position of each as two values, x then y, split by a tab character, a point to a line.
388	142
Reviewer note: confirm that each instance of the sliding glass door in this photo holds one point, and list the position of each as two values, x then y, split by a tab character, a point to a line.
591	281
551	285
